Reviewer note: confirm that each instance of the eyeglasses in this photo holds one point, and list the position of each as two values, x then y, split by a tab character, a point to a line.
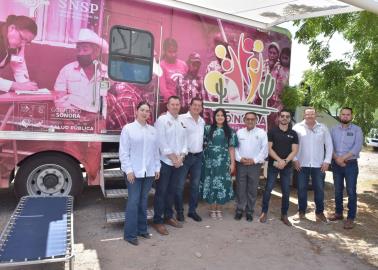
285	116
250	119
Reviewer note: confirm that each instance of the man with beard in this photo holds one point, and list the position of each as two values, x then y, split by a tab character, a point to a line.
78	82
347	141
282	146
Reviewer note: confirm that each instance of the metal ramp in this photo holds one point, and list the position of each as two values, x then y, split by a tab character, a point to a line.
113	185
39	231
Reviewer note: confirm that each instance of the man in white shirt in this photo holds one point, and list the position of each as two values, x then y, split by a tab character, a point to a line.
78	83
250	155
313	159
173	149
194	127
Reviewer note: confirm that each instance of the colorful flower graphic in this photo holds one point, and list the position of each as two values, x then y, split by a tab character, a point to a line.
241	78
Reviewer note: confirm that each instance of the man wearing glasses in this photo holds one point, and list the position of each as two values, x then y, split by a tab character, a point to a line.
282	146
249	155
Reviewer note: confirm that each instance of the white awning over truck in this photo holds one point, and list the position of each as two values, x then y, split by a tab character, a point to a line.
268	13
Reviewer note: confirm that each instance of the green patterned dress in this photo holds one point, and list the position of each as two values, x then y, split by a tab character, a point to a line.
216	184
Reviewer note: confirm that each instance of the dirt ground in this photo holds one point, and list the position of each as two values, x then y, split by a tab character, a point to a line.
228	244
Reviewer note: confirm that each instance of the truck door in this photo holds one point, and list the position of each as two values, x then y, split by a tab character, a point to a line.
123	97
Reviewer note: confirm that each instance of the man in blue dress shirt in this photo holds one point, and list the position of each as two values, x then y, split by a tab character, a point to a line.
347	141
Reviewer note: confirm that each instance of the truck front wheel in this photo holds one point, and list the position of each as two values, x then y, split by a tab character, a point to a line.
49	174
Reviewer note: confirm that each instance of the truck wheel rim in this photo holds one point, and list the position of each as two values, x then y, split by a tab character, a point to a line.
49	180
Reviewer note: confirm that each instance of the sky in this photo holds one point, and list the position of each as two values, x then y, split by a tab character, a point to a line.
299	52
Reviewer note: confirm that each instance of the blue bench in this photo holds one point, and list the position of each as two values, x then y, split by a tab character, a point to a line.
40	230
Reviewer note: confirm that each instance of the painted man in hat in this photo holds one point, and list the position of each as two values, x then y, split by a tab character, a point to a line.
79	81
190	86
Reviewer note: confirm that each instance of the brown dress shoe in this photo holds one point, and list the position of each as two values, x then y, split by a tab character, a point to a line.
173	222
321	218
285	220
335	217
160	228
263	217
300	216
348	224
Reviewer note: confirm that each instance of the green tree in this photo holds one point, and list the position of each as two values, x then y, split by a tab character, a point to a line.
352	81
292	97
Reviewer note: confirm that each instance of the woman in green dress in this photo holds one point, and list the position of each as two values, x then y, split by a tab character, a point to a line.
219	163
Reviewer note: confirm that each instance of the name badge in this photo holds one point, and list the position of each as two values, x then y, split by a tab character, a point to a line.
349	133
17	59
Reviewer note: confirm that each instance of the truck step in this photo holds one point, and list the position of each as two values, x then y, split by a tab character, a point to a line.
121	193
118	217
110	155
116	193
112	161
113	174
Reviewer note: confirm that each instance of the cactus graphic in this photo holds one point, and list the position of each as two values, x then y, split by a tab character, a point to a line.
266	90
222	92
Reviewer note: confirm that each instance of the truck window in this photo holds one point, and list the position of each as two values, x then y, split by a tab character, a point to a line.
130	55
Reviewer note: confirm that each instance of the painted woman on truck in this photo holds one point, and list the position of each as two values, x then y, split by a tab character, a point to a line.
272	62
15	33
140	162
281	74
219	163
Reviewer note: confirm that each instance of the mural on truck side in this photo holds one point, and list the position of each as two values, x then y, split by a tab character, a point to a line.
51	83
54	71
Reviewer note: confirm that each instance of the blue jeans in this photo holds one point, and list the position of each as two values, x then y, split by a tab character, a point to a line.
285	177
192	165
317	178
165	192
136	207
349	173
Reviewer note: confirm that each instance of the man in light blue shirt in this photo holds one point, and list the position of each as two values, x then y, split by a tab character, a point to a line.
347	141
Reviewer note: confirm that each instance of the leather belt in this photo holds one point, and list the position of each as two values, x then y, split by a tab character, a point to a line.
195	154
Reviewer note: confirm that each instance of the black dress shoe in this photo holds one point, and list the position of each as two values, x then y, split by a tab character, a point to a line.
249	217
195	216
146	235
238	215
180	217
134	242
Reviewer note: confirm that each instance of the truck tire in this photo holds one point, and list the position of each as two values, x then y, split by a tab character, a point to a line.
49	174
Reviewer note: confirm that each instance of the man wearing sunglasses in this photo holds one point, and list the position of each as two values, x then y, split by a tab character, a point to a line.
282	146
